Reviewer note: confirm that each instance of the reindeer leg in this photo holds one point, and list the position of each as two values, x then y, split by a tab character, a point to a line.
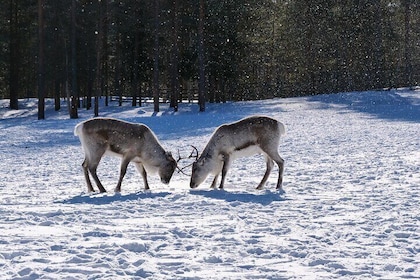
270	164
86	173
92	170
213	184
274	155
124	163
143	173
280	162
92	162
226	164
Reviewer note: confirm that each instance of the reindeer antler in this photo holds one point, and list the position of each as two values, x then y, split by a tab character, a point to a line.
193	154
179	157
180	170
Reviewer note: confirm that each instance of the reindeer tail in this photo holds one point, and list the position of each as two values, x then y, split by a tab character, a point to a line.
282	128
78	129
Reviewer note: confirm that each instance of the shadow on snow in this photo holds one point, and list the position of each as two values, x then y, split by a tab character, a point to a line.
398	105
260	197
104	198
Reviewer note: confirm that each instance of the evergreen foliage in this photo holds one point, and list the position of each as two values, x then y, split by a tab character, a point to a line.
252	49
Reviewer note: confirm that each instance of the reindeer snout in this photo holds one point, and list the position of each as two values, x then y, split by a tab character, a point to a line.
165	181
193	185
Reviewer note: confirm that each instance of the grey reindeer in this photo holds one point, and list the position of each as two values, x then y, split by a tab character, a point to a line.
246	137
130	141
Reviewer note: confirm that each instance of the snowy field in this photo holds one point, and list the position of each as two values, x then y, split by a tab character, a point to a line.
351	208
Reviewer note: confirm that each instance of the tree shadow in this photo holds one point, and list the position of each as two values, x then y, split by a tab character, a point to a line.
260	197
397	105
105	198
189	122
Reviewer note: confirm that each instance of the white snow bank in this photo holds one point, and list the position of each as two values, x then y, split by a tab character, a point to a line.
351	208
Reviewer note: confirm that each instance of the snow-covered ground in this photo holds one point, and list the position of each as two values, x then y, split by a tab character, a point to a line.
351	208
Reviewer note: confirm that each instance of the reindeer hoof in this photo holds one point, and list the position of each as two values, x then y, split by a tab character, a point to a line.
280	190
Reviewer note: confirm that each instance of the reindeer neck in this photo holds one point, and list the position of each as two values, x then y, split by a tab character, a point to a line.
210	151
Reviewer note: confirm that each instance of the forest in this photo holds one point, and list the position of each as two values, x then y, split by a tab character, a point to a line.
172	51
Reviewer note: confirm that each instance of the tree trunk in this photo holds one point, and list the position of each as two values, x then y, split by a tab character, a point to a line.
41	65
99	56
57	87
201	66
156	60
118	66
407	48
73	93
14	56
135	82
174	58
105	72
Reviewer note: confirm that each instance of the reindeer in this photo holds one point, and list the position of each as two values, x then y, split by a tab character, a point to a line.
132	142
247	137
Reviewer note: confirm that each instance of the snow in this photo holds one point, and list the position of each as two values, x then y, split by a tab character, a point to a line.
350	208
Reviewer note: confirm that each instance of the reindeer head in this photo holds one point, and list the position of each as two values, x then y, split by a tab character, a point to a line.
200	171
167	168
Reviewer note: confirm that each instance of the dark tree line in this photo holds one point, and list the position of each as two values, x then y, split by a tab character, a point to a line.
206	50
